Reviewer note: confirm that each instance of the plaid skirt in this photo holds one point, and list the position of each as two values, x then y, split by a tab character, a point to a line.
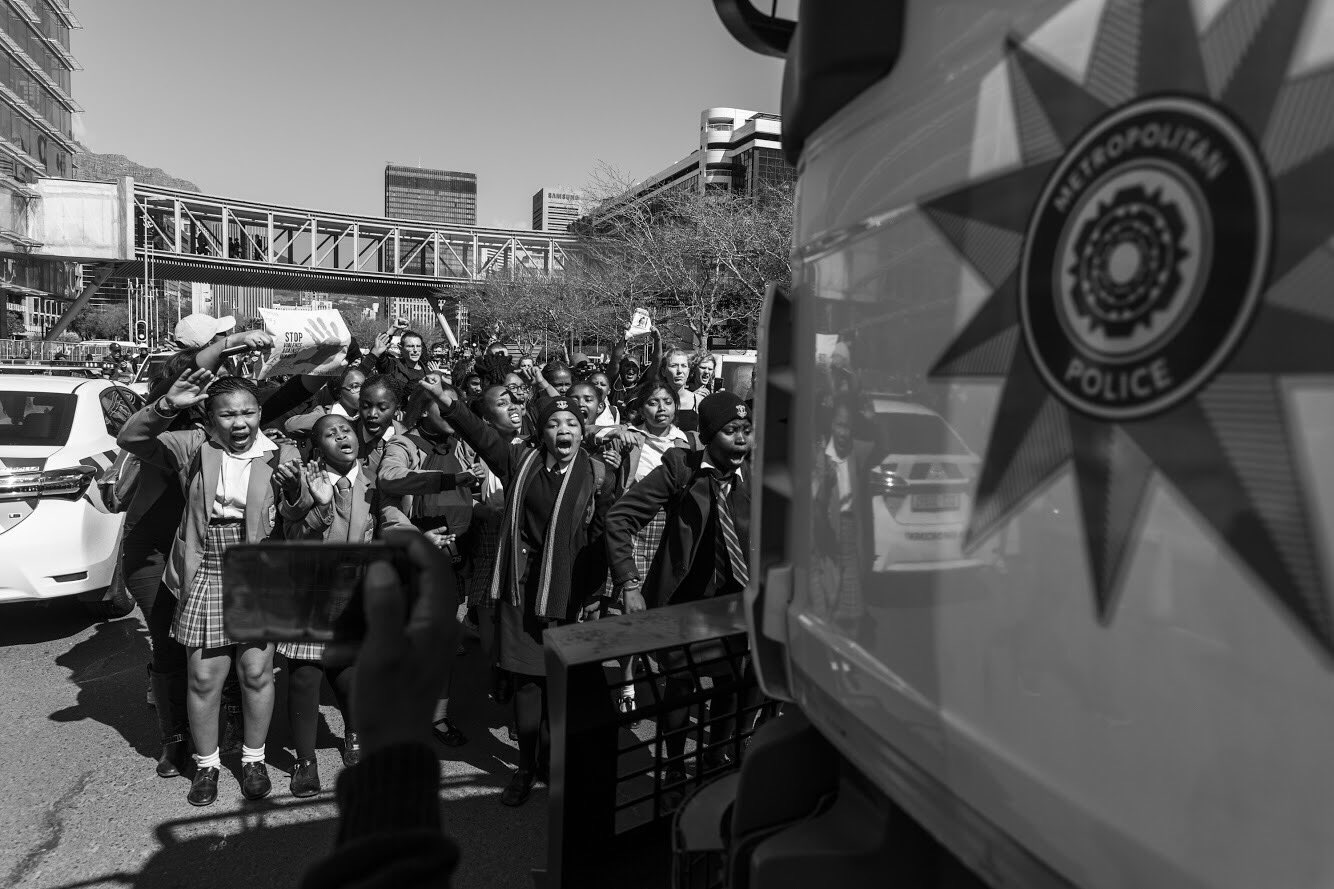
646	542
850	605
198	620
644	548
301	651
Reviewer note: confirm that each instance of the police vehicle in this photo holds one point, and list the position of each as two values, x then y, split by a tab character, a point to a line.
1108	223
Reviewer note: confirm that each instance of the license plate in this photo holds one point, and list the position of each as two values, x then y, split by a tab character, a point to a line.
936	502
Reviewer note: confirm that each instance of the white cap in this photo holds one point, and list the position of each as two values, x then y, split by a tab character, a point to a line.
198	330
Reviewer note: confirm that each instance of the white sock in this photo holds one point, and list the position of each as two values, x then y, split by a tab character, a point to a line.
210	761
249	755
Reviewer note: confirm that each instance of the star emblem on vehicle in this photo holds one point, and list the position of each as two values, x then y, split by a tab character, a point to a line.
1158	264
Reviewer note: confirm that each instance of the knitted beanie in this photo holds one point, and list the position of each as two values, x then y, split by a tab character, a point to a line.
716	411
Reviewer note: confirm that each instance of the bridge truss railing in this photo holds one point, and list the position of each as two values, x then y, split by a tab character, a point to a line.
193	227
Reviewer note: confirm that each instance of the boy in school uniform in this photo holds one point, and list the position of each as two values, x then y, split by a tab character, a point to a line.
339	504
705	540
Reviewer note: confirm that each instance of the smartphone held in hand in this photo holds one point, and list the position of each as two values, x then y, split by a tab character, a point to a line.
302	591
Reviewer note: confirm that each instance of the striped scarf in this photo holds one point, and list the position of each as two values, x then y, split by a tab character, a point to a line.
555	577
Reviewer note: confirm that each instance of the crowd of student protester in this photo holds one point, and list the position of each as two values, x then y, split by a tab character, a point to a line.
558	491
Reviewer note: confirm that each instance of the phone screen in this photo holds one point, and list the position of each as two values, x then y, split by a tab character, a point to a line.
302	591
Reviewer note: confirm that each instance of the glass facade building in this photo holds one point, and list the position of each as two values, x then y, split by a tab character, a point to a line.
442	197
36	139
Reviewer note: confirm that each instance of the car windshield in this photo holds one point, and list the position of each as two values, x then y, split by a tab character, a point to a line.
35	418
904	433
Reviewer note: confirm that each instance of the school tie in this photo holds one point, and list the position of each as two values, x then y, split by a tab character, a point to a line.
731	560
341	531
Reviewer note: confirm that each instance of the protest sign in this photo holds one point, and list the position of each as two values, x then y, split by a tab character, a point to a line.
305	341
640	324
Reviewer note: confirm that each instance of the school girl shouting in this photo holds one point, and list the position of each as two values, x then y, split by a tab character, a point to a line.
551	558
230	473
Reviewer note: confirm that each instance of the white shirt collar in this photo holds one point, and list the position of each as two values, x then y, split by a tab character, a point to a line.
832	453
672	434
550	462
338	409
351	474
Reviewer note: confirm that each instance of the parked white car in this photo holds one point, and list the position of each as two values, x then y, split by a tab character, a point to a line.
57	437
922	492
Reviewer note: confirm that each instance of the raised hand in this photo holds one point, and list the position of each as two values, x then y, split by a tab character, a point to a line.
190	388
288	475
435	387
255	339
382	341
321	489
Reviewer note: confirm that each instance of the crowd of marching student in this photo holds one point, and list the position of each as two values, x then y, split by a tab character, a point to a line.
559	490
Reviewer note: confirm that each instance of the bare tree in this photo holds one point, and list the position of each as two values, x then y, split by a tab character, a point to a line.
700	259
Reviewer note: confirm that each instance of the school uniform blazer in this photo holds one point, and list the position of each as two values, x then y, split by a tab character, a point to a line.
684	489
582	542
306	520
145	435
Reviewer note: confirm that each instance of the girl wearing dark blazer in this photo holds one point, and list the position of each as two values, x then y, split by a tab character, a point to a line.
229	472
705	539
551	555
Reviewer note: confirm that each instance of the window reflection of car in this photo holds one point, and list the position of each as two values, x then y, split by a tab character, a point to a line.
57	539
921	491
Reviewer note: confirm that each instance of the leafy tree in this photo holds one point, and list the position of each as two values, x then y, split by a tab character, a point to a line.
103	322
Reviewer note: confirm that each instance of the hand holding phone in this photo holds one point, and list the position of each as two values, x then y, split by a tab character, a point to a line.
411	635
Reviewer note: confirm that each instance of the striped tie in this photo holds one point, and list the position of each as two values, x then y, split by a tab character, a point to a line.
731	559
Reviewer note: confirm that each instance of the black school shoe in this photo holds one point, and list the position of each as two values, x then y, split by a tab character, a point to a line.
255	783
519	789
204	787
305	778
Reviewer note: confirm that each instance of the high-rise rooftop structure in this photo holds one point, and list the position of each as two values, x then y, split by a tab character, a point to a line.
36	139
739	150
555	210
443	197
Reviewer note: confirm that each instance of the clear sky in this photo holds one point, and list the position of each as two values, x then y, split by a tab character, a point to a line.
303	102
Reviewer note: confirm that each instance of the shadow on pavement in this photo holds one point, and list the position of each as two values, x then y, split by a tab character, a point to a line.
273	843
27	623
108	668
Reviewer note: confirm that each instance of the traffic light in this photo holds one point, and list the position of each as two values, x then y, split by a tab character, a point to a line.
141	331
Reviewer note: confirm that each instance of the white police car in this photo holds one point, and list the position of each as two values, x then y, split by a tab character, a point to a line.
57	437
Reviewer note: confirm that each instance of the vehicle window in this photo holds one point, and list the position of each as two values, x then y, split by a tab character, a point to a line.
36	418
903	433
116	408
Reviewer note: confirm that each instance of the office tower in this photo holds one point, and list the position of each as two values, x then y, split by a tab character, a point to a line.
36	139
555	210
441	197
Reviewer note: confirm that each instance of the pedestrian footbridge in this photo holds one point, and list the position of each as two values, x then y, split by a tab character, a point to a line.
129	229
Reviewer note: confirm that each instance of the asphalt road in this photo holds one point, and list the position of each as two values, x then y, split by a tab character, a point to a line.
81	805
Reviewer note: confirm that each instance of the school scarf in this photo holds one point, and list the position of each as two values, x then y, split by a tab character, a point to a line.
555	577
